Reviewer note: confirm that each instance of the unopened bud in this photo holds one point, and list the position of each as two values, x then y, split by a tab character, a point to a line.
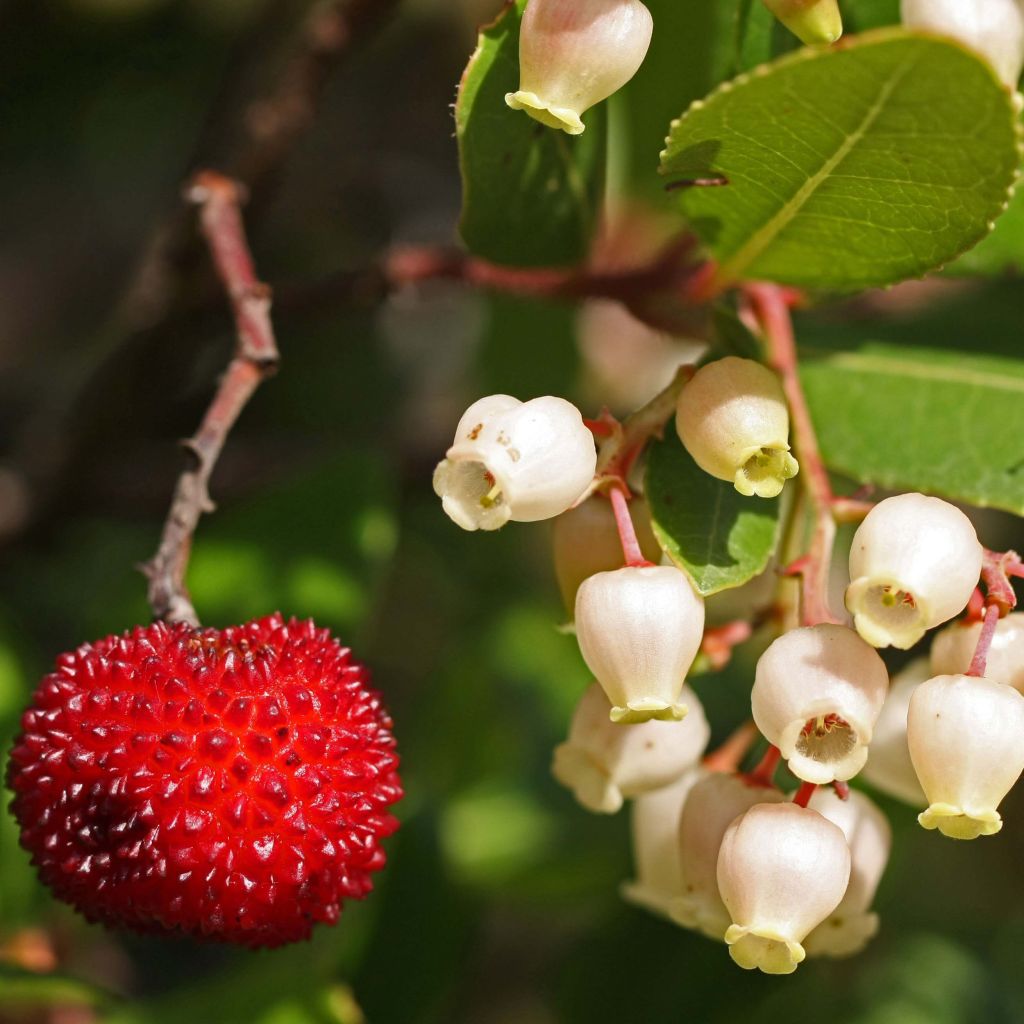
994	29
639	629
586	541
576	53
654	825
914	563
732	418
515	460
603	763
712	806
953	650
811	21
849	928
889	768
782	870
817	693
966	739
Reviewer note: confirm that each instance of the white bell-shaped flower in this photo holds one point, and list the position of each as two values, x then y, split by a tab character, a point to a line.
713	805
849	928
639	629
966	739
515	460
994	29
782	870
654	825
817	693
953	650
603	762
733	419
811	21
585	541
914	564
889	768
576	53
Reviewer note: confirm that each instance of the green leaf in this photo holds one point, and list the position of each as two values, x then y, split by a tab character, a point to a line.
848	168
1002	252
530	193
719	537
944	422
24	989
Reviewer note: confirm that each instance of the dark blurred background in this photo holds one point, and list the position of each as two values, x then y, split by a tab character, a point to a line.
500	904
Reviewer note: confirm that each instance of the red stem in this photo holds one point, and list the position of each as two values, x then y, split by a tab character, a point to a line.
988	630
771	306
728	756
804	794
764	773
255	358
631	550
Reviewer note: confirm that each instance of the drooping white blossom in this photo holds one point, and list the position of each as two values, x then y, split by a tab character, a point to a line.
817	693
889	768
849	928
966	738
575	53
733	419
654	825
811	21
782	870
711	807
639	629
585	541
914	564
994	29
604	762
953	649
523	461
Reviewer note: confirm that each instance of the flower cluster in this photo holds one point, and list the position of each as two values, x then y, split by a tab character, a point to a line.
775	876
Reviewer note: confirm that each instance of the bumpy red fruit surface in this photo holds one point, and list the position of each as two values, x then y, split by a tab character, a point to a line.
229	784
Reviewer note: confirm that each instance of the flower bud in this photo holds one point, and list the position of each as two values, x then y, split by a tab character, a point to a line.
515	460
817	693
849	928
732	418
953	650
603	763
914	563
889	768
811	21
655	831
966	739
782	870
575	53
994	29
639	629
712	806
586	541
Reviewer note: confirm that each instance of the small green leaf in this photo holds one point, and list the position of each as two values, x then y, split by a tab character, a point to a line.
947	423
719	537
530	193
858	166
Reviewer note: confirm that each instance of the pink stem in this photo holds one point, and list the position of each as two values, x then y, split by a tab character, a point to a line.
764	773
728	756
988	630
627	533
771	307
804	794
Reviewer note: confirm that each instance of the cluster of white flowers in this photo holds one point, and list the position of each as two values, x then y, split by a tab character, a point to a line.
774	877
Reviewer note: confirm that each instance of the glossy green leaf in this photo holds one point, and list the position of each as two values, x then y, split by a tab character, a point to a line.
530	193
1002	252
917	419
857	166
719	537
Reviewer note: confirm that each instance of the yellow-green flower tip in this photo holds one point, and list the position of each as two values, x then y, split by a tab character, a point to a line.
956	823
763	950
562	118
814	22
644	710
765	473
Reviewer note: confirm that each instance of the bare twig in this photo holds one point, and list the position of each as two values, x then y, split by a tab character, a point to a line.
255	358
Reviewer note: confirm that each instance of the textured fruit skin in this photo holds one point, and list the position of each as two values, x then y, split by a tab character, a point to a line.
229	784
